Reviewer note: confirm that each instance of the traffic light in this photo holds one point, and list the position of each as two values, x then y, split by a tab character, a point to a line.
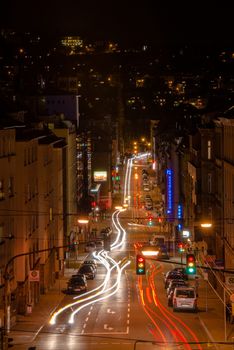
140	265
181	247
150	222
191	264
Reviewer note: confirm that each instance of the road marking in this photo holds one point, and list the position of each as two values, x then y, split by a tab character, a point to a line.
106	327
86	320
110	312
104	333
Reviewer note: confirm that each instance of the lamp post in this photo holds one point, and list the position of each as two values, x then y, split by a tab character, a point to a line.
84	223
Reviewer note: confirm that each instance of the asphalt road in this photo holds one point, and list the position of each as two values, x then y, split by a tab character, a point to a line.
133	318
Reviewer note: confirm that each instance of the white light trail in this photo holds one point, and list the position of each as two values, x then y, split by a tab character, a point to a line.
103	284
116	285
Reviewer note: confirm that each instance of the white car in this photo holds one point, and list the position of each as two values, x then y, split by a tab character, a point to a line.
184	298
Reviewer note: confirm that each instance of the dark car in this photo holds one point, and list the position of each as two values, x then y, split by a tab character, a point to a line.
182	271
91	263
76	284
105	232
176	283
90	247
88	271
172	275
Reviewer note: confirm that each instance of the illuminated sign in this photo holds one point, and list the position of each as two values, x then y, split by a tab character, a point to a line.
179	211
100	176
185	233
169	175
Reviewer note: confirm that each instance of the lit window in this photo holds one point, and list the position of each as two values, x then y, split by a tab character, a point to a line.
209	149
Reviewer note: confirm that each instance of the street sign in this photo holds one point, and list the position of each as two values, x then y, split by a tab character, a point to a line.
229	281
34	276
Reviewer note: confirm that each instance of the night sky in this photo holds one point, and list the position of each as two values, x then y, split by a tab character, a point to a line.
160	22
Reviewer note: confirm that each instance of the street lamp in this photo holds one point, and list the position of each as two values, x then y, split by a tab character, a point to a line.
84	222
206	224
150	251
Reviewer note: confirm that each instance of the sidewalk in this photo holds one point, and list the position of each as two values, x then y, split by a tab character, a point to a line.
211	316
27	327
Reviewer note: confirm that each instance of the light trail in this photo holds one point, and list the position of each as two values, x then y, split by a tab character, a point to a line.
122	231
116	286
169	316
103	284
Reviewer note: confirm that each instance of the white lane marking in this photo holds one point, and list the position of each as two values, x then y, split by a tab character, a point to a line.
110	333
109	311
106	327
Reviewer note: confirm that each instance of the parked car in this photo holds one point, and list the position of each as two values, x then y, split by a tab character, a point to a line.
176	283
90	247
172	275
105	232
184	298
91	263
87	270
182	271
76	284
99	245
148	206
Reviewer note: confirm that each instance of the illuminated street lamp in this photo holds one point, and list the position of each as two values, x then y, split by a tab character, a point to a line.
206	224
150	251
84	222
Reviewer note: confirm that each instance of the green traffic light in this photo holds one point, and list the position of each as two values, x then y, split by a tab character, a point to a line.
190	270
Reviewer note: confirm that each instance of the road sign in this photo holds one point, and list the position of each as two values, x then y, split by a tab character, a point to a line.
229	281
34	276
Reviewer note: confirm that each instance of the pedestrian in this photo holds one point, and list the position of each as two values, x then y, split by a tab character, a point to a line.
228	312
